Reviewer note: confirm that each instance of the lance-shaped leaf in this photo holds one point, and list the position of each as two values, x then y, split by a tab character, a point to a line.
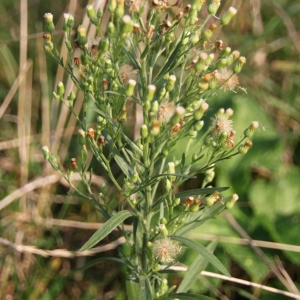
145	292
106	229
198	265
203	251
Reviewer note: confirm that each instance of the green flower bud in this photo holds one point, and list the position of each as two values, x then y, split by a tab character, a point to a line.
192	134
227	16
198	113
243	149
251	129
197	5
221	63
135	177
60	89
231	202
210	200
110	28
48	46
239	64
82	39
171	170
82	137
65	22
171	82
223	137
49	25
201	63
163	221
46	152
112	4
103	45
198	126
155	106
99	13
195	205
147	105
195	39
150	92
130	87
209	59
119	11
164	286
90	12
70	23
144	131
168	185
176	202
163	230
213	7
225	52
127	24
208	141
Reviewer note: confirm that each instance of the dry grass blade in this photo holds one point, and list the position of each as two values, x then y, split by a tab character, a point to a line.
62	252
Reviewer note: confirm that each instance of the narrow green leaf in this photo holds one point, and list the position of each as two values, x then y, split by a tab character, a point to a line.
184	296
195	269
107	228
132	289
174	174
203	251
145	292
200	191
127	170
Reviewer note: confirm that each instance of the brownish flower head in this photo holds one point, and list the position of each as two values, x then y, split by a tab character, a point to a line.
134	5
127	72
166	111
228	80
220	124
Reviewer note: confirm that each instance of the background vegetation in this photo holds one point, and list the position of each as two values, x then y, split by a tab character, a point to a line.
259	240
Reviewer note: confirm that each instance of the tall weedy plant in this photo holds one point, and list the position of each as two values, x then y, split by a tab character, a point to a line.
151	58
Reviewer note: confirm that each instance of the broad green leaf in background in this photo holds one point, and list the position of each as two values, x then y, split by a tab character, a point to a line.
195	269
202	251
107	228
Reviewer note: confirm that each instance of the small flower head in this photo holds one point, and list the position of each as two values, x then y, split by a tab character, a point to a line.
48	17
165	250
220	124
49	25
225	19
251	129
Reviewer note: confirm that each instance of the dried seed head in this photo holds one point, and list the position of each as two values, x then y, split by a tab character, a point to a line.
165	250
91	133
220	124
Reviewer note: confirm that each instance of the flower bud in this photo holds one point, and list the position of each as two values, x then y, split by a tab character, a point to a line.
46	152
198	126
150	92
168	185
227	16
195	206
110	28
231	202
243	149
135	177
103	45
155	106
221	63
49	25
90	12
60	89
251	129
48	46
171	82
176	202
171	170
163	286
192	134
239	64
225	52
155	127
214	197
127	24
65	22
163	230
130	87
197	5
213	6
119	11
112	6
200	64
82	139
82	40
144	131
200	111
209	59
